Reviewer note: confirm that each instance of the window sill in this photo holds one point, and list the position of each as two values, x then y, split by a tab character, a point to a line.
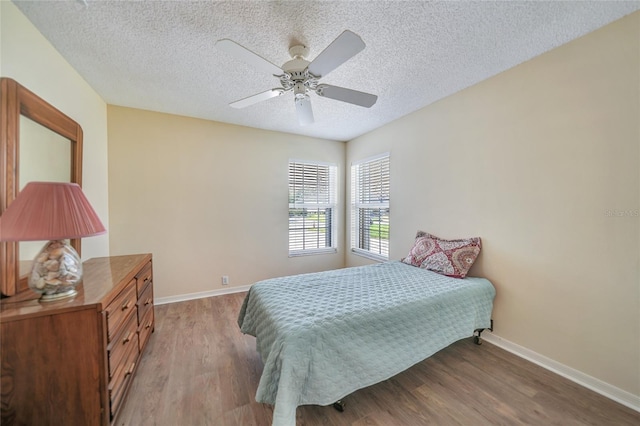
369	255
312	252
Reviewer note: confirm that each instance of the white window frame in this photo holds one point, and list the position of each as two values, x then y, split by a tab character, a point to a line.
358	204
307	202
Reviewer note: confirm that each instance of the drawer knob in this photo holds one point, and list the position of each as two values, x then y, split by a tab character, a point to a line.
148	326
127	339
146	280
130	370
147	302
126	306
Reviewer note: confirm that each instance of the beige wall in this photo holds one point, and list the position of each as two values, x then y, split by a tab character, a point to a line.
27	57
535	161
207	199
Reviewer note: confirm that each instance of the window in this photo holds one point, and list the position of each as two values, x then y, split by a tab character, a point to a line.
370	207
312	208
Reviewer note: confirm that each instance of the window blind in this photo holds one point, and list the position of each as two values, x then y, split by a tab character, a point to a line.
312	203
370	195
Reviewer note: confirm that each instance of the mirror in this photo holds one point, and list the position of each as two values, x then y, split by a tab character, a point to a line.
44	157
38	143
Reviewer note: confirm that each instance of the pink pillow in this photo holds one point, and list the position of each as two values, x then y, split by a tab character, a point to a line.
453	258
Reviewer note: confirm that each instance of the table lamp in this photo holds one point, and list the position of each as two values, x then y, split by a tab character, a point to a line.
54	211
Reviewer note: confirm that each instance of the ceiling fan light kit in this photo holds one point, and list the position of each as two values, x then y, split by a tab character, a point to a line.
301	76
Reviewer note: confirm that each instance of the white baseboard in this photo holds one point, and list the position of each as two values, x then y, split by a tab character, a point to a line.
605	389
200	295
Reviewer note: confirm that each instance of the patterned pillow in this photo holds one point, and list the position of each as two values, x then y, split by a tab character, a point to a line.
422	246
453	258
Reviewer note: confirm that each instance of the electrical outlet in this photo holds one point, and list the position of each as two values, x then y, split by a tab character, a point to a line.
225	279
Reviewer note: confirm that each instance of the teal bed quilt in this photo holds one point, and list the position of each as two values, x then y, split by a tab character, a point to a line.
321	336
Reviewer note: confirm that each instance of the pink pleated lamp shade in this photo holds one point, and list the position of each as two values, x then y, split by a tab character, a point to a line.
49	211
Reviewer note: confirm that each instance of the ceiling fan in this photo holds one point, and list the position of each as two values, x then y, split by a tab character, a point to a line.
301	76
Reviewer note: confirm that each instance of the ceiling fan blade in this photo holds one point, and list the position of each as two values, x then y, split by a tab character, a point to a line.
347	95
305	113
259	97
340	50
247	56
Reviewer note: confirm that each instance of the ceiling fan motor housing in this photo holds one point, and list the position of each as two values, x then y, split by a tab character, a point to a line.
296	76
297	63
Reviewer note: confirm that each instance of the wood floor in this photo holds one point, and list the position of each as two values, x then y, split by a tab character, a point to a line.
200	370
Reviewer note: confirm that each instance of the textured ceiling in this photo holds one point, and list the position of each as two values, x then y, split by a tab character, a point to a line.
160	55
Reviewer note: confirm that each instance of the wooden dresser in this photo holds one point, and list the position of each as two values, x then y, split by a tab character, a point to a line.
71	362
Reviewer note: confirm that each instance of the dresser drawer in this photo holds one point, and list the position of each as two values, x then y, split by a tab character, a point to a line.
120	345
145	303
145	329
119	310
122	376
143	278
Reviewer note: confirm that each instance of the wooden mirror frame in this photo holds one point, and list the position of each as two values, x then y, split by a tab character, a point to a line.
16	100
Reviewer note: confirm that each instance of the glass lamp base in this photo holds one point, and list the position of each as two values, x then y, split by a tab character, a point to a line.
56	272
56	296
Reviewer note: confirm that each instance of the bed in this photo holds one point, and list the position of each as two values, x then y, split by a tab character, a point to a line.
321	336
